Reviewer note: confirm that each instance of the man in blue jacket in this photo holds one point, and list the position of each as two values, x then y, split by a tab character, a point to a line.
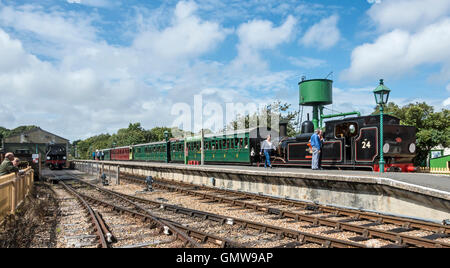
316	149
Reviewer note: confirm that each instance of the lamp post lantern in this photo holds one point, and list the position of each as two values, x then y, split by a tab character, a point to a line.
381	97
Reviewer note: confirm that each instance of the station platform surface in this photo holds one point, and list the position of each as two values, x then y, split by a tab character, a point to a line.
435	182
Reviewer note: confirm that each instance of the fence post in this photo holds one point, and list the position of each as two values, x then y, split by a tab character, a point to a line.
13	197
118	175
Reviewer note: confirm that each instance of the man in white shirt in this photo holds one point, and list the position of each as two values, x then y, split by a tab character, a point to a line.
266	147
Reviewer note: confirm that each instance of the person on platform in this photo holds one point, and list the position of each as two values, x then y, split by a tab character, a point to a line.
7	165
321	149
16	162
316	149
266	148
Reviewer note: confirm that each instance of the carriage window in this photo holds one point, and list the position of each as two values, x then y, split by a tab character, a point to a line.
346	130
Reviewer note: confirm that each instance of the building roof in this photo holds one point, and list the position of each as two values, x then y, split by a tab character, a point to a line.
34	130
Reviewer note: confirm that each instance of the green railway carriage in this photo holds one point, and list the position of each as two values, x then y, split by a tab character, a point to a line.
235	147
232	148
157	152
177	151
239	147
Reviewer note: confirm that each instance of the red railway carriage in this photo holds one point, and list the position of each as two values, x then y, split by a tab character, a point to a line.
121	153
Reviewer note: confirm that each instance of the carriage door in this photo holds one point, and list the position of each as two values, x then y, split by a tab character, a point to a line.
347	133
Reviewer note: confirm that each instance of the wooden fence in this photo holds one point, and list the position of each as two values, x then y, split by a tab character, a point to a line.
13	191
445	171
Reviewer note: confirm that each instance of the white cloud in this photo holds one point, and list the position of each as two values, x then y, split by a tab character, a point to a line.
91	87
187	37
446	102
258	35
94	3
307	62
410	15
323	34
55	26
399	52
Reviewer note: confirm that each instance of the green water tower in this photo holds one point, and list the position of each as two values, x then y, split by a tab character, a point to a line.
316	93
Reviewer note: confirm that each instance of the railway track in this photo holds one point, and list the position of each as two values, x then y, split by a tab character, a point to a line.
400	232
124	231
87	224
77	222
212	228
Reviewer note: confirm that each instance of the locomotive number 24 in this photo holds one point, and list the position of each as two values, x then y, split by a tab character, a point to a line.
366	144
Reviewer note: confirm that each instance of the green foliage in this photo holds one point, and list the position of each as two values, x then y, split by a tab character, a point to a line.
20	129
433	128
134	134
5	133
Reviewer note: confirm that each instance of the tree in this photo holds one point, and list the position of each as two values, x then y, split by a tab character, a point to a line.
433	128
134	134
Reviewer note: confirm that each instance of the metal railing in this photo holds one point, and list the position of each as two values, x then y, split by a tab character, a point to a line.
14	189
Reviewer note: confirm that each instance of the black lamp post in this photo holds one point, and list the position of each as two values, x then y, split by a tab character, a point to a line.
166	138
381	97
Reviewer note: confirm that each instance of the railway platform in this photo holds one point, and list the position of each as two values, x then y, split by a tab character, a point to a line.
415	195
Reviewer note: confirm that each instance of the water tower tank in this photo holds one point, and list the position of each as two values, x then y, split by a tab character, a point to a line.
316	92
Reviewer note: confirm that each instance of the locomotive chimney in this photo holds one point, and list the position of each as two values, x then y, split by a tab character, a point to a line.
283	128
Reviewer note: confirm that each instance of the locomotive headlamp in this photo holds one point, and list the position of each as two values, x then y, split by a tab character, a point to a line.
381	93
386	148
412	148
352	129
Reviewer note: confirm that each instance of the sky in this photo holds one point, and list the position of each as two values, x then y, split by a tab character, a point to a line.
79	68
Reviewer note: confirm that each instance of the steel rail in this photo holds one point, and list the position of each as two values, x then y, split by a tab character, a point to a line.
379	218
158	221
96	220
184	232
302	237
366	232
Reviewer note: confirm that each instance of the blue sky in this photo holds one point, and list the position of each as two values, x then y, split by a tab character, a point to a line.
84	67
